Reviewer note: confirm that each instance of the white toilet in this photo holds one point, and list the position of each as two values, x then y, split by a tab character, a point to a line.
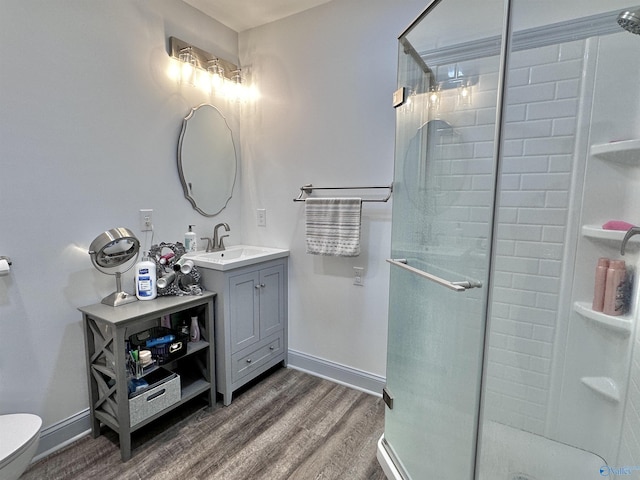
19	437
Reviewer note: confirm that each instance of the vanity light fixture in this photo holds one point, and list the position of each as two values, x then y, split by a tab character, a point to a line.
213	74
188	65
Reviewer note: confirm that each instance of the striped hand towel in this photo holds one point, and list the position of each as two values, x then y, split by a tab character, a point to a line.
333	226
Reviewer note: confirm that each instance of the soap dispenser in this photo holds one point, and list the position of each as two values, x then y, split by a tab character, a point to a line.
190	243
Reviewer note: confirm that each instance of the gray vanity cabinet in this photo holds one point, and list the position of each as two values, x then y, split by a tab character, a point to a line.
250	321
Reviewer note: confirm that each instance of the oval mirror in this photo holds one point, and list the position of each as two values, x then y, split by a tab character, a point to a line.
207	160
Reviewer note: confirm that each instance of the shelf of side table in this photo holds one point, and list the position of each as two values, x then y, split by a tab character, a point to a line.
106	329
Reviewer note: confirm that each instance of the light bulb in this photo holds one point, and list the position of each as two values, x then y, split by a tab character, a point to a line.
216	76
234	89
464	95
188	68
434	99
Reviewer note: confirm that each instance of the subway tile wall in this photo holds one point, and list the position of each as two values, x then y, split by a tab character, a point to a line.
543	102
539	138
539	141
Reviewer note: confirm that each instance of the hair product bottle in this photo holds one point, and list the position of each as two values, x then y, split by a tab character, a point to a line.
614	292
601	278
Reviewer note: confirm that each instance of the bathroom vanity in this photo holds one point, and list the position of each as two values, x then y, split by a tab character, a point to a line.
251	312
106	330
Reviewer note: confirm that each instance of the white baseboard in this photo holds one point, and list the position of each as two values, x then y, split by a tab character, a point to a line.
351	377
63	433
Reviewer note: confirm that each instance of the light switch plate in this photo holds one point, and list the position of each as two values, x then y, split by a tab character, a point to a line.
358	274
261	216
146	219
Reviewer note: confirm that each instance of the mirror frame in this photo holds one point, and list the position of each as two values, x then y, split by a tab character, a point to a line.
184	182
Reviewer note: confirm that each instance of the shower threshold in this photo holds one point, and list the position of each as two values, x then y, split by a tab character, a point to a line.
507	453
512	454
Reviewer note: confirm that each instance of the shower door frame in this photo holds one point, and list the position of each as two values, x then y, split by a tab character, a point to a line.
505	56
385	453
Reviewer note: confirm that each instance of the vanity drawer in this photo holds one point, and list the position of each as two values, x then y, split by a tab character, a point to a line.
243	363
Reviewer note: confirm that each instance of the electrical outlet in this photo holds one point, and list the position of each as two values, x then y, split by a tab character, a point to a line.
261	216
358	276
146	219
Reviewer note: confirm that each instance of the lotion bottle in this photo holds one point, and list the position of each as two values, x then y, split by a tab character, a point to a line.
601	278
614	303
190	243
146	288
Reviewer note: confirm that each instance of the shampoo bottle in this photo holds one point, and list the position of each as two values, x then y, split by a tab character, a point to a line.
598	291
146	279
614	301
190	243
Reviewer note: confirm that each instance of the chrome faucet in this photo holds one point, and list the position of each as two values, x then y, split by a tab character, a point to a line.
630	233
218	242
208	249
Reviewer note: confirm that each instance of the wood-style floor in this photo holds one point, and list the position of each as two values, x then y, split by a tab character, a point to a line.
290	425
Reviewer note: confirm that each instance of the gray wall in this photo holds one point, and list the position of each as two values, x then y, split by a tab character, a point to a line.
90	122
326	76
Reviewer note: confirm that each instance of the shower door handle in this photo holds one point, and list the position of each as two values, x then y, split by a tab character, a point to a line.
457	286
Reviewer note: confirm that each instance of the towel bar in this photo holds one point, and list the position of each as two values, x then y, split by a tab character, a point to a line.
457	286
307	189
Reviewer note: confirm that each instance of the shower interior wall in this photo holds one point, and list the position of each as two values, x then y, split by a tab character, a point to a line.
560	99
595	420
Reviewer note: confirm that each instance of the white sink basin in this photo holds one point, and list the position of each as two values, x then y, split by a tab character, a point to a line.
236	256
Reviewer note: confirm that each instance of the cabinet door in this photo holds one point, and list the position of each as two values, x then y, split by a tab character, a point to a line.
272	307
244	315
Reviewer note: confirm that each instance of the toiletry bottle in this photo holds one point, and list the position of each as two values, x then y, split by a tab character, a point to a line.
166	258
186	267
166	280
598	291
614	303
190	243
146	279
194	330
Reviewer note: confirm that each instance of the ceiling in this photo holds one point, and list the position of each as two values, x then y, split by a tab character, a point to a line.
241	15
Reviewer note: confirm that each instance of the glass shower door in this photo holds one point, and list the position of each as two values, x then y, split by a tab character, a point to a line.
444	188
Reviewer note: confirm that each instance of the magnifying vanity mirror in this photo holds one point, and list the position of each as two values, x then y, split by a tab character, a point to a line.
207	160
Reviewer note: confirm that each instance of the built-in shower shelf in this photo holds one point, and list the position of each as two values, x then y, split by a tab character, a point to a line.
626	151
599	233
604	386
620	324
